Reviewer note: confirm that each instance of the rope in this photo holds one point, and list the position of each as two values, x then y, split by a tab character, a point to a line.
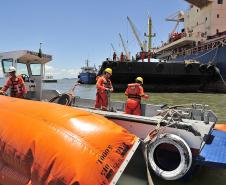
218	72
206	52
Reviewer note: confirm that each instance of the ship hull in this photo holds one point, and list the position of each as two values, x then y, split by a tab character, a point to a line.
216	56
87	78
164	77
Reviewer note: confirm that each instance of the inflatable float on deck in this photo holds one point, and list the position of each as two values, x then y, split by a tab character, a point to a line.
43	143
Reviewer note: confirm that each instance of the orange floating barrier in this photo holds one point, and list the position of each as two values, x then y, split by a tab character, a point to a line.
221	127
49	144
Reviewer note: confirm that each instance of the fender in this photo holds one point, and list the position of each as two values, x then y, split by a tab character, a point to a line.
184	151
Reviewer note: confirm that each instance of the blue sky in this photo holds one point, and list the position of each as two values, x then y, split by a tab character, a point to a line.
74	30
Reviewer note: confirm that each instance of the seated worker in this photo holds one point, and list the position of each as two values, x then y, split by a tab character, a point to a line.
135	92
104	87
15	83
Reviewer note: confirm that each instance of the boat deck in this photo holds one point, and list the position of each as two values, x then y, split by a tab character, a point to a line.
214	153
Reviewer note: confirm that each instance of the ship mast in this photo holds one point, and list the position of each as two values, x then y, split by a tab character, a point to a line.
149	35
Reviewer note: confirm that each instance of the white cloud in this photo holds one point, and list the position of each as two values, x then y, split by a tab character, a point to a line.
61	72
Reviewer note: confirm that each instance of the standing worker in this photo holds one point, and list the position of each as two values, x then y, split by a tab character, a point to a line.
135	92
122	57
15	83
149	55
142	55
104	88
114	56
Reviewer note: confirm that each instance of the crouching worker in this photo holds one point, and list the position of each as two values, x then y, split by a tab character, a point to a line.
135	92
104	88
15	84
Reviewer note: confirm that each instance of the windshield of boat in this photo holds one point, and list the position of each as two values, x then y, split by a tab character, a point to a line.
22	69
6	63
36	69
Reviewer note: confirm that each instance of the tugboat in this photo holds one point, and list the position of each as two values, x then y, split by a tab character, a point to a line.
88	74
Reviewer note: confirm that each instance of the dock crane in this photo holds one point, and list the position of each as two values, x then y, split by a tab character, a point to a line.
114	51
142	46
124	47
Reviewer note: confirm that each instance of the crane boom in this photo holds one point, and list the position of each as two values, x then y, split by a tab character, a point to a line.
135	33
114	51
113	48
123	44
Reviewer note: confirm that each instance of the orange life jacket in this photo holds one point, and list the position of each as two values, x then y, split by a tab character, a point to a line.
103	83
133	91
16	86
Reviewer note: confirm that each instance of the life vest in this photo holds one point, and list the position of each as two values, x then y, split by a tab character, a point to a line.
16	86
103	83
133	91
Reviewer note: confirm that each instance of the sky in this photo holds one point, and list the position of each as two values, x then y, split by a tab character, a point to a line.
75	30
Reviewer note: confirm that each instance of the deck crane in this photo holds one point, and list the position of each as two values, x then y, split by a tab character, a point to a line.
176	17
114	51
124	47
142	45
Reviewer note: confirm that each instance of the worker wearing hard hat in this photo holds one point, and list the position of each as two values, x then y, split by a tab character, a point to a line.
104	87
135	92
15	83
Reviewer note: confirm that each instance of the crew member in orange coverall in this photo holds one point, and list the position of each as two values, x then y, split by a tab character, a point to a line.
135	92
104	87
15	83
149	55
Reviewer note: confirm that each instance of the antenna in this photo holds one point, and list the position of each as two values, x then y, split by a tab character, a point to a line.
40	50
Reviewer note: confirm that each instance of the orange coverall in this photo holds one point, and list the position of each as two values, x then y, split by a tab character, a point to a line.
17	87
133	104
102	85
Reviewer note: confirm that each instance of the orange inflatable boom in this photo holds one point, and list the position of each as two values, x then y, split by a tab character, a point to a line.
49	144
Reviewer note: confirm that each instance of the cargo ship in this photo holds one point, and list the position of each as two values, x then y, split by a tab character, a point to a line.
192	60
88	74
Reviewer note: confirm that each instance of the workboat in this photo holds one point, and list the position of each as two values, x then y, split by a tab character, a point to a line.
88	74
173	139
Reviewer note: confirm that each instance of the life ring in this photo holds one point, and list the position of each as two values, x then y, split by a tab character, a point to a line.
183	150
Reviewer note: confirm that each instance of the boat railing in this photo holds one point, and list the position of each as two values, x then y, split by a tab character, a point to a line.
202	47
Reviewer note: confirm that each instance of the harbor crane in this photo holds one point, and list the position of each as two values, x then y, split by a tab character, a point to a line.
124	46
142	45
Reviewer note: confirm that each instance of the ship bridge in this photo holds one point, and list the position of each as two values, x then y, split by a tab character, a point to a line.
199	3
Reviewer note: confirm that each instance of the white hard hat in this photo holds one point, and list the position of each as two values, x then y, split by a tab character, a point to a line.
12	69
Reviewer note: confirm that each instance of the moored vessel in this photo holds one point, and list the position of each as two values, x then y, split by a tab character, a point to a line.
88	74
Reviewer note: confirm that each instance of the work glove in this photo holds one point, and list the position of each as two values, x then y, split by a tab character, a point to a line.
108	90
2	92
145	96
